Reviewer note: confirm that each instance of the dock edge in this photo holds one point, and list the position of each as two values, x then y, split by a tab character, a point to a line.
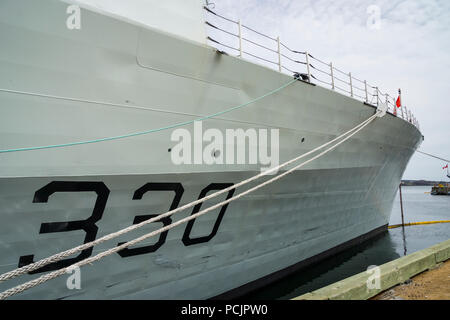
391	274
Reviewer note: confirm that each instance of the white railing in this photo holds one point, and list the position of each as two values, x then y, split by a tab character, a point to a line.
230	36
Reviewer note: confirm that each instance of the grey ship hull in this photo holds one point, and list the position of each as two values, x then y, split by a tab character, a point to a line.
60	86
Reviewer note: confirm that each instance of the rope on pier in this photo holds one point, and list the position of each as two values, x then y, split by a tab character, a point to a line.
57	257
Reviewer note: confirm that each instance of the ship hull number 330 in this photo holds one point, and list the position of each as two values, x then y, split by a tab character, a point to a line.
90	228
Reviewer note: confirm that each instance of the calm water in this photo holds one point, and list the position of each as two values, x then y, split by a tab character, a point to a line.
418	206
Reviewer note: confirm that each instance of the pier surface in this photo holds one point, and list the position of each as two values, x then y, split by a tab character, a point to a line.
429	285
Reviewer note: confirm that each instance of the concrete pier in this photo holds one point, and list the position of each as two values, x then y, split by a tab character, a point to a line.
366	285
429	285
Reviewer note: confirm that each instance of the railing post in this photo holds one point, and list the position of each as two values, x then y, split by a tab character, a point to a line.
279	54
367	93
307	66
387	101
351	84
240	38
376	90
332	75
395	106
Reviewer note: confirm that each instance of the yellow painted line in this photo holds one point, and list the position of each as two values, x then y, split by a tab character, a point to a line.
418	223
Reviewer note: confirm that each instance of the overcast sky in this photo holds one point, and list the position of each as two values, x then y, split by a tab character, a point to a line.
410	50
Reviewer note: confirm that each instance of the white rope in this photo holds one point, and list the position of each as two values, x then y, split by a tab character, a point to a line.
62	255
67	253
55	274
430	155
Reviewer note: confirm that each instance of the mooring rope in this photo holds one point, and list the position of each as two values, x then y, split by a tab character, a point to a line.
101	255
436	157
417	224
177	125
67	253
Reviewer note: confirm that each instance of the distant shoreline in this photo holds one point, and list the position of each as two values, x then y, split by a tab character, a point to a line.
421	182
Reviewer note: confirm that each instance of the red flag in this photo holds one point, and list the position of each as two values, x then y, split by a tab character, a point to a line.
446	167
399	102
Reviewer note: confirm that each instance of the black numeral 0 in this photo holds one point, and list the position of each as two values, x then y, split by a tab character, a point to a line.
88	225
187	240
175	187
